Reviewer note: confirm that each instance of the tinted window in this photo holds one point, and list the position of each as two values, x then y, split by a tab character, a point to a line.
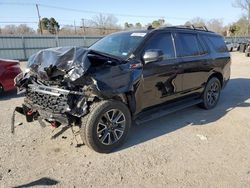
119	44
164	42
218	43
188	45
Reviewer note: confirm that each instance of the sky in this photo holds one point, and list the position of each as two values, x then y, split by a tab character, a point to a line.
175	12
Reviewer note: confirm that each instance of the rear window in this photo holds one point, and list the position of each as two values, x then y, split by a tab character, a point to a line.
217	43
188	45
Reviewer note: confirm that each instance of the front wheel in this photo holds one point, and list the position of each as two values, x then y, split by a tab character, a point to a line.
211	93
107	125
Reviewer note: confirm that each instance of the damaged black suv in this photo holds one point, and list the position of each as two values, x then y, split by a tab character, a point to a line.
132	76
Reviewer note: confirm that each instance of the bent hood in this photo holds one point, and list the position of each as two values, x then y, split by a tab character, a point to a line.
71	62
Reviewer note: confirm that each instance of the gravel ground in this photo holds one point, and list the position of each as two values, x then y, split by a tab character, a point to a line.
190	148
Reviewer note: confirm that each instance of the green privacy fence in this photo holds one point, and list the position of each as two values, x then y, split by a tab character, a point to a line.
21	47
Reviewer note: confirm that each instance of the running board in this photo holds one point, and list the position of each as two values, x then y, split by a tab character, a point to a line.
165	110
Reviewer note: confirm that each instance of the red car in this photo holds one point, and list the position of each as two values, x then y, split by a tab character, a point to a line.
9	69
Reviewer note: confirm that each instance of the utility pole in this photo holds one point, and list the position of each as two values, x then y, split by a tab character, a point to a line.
75	26
248	28
83	26
39	18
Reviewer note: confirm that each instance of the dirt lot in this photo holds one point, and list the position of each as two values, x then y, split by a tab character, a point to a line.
190	148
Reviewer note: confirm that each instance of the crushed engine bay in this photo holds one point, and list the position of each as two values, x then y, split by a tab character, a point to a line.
61	83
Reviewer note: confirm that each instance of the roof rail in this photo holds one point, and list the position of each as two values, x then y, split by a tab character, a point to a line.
200	28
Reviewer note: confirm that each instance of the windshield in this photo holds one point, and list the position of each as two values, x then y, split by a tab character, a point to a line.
119	44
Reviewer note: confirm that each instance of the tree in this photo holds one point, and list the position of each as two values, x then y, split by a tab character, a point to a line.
216	25
9	29
53	26
104	23
239	28
128	25
17	30
24	29
233	29
197	22
68	30
50	25
245	6
158	23
188	23
138	25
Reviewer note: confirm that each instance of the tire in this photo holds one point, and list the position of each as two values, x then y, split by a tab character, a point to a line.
106	126
238	48
231	49
211	94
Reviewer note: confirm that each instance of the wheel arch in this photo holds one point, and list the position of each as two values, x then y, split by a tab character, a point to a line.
128	99
217	75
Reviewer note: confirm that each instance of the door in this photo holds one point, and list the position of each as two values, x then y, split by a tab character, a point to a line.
194	58
162	79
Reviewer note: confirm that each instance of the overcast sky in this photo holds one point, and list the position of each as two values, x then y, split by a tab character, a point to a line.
175	12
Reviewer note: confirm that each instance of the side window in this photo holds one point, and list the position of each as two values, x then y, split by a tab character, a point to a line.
163	42
218	43
188	45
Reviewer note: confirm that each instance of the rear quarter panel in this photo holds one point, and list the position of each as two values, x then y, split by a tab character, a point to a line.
218	62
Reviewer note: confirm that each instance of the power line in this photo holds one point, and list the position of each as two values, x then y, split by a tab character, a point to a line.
13	22
94	12
17	3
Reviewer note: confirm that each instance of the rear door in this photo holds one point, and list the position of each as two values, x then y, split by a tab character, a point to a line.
194	58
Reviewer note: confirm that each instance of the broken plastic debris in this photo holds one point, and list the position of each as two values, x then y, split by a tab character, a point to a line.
202	137
18	124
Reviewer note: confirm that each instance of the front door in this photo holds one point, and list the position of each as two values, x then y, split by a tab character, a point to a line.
162	79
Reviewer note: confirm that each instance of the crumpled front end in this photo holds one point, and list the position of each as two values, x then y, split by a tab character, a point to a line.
62	83
55	104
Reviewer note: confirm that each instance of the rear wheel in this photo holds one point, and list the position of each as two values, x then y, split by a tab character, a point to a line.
211	93
107	125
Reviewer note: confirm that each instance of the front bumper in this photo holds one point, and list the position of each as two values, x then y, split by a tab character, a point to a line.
54	104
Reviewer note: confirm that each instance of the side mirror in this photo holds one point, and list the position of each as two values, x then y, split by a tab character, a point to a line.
152	56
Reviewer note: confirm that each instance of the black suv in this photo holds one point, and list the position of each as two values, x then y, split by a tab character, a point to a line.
132	76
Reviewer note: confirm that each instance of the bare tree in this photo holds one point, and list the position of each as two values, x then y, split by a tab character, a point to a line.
17	30
9	30
216	25
197	22
24	29
245	6
67	30
104	23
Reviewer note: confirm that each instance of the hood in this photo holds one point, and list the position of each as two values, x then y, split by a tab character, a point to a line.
71	62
